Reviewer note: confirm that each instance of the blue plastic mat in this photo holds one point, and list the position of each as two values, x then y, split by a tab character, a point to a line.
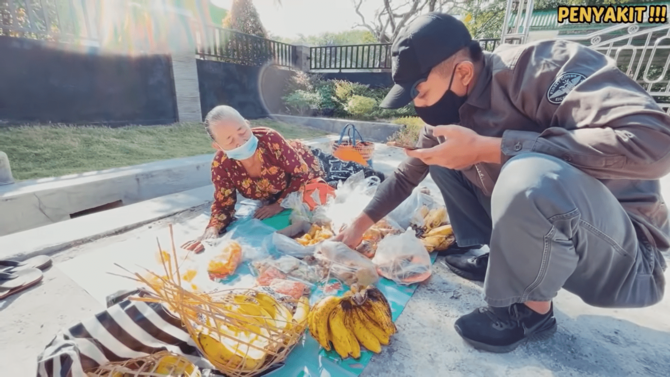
308	358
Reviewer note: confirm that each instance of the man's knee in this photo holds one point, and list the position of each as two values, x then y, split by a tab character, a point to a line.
534	179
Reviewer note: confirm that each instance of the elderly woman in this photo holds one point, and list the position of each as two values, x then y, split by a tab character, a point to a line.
260	164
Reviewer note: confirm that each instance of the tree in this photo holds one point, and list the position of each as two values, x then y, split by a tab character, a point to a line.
393	15
350	37
243	17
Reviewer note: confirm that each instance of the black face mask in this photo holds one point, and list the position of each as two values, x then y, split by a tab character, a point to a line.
444	111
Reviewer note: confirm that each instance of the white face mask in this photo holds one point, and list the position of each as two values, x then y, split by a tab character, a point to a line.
244	151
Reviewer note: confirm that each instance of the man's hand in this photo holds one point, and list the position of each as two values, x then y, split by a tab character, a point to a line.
268	211
196	245
353	234
463	148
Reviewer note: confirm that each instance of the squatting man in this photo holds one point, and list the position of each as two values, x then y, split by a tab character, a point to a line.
545	152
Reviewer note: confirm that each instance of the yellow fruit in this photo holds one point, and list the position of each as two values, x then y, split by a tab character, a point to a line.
174	365
321	313
301	311
435	218
357	327
372	326
268	303
444	230
344	341
424	211
379	310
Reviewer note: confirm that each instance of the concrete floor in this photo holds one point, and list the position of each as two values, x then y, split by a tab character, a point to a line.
589	341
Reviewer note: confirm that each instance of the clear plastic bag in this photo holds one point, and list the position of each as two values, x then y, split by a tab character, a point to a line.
251	234
289	246
294	201
286	267
336	260
409	211
402	258
350	198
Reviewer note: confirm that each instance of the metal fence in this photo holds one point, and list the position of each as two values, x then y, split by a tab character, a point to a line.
215	43
642	53
363	57
52	20
349	57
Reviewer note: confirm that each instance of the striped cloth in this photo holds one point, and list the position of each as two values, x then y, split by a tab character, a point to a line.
124	331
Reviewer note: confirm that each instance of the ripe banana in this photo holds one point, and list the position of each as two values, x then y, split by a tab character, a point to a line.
443	231
357	327
379	310
435	218
372	326
301	311
344	341
268	303
320	315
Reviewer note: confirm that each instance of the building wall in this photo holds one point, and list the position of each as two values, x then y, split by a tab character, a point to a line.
254	91
50	82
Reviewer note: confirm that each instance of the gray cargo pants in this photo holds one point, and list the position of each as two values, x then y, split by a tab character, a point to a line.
551	226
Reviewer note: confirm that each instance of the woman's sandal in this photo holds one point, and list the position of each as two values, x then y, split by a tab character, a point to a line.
19	280
41	262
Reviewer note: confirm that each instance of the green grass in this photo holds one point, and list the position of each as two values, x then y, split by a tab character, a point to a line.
39	151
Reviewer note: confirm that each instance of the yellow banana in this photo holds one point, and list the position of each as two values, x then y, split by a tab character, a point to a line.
435	218
372	326
424	211
357	327
268	303
175	365
321	313
301	311
344	341
444	230
379	310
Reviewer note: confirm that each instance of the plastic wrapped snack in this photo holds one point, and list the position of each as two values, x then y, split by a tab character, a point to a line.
225	262
285	267
337	260
292	288
403	258
374	235
289	246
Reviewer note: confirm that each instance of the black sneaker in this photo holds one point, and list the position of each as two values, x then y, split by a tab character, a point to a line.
468	266
455	249
502	330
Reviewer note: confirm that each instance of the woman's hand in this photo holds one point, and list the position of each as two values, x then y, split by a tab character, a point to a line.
196	245
268	211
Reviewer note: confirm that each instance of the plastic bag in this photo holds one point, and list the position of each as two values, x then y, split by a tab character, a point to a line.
295	202
286	267
289	246
350	198
409	211
251	234
336	260
402	258
224	257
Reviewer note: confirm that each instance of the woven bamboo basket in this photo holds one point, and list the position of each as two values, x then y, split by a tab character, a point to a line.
160	364
237	343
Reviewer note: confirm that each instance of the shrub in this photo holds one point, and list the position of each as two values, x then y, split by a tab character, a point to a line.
344	90
302	102
361	106
329	105
408	135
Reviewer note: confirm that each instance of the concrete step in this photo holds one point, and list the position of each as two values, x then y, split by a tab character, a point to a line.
50	239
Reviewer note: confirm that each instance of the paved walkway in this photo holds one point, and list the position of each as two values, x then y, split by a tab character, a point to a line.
589	341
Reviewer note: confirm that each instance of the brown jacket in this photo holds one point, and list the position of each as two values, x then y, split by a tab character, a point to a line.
566	100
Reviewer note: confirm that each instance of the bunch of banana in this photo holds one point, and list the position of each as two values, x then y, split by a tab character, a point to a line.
360	317
435	234
245	337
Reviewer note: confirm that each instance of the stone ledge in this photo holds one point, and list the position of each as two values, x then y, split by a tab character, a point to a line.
50	239
378	132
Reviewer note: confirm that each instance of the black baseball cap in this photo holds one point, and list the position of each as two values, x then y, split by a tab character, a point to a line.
424	43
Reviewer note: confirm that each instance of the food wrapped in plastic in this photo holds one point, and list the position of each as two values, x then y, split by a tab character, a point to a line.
300	210
289	246
292	288
376	233
335	259
286	266
224	262
403	258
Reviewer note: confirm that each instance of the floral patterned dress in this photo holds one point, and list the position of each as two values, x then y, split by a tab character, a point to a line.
286	167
